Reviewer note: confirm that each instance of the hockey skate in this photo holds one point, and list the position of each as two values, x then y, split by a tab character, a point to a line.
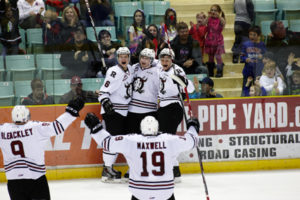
177	174
109	175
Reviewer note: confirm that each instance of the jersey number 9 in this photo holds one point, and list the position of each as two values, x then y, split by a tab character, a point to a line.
17	148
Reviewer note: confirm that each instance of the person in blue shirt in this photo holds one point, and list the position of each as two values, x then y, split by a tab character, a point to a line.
207	91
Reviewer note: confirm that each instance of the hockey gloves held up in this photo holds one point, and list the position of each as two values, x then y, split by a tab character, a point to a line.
93	122
107	106
75	106
193	122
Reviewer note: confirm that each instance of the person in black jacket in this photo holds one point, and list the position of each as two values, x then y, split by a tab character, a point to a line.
187	51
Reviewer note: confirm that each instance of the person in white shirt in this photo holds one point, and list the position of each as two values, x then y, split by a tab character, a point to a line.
28	10
150	155
22	143
115	95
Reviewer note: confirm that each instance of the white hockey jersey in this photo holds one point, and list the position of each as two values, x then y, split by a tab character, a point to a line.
117	87
23	146
145	89
150	160
168	92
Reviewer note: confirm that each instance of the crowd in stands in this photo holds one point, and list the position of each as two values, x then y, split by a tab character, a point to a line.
271	68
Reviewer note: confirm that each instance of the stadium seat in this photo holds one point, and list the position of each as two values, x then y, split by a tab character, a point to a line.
20	67
48	66
22	89
264	10
124	14
91	34
22	45
6	94
295	25
288	9
92	84
155	11
57	88
34	37
2	69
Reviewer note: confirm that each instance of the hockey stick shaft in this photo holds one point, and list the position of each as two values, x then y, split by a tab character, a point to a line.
95	32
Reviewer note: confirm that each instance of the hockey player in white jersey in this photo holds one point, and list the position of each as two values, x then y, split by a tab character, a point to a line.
145	90
170	112
150	155
22	143
115	95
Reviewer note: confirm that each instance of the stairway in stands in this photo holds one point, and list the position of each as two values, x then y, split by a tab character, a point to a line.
230	85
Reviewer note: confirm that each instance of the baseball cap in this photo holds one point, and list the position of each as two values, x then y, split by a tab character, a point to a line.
75	80
208	81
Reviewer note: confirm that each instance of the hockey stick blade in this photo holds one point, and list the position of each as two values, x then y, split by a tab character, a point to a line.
178	80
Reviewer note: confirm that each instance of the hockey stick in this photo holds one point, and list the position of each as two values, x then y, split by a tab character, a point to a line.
95	32
183	85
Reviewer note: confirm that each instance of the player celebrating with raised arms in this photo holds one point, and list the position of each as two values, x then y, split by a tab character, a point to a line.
170	112
22	143
150	155
115	95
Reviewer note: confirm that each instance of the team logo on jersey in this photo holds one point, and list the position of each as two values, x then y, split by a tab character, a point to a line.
128	87
138	84
162	85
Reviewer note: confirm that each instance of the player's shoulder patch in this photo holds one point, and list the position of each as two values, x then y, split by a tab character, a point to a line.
46	124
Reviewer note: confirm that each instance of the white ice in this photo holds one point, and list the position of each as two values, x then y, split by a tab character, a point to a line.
258	185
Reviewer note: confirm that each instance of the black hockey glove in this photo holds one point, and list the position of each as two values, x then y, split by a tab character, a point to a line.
193	122
75	106
93	122
184	80
183	96
108	106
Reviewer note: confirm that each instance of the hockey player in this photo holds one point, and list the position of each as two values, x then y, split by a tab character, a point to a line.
115	95
22	143
145	91
150	155
170	112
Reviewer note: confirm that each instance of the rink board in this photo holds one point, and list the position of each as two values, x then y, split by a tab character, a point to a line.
238	134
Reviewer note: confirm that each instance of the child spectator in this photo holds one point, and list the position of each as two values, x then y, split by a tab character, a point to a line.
136	31
295	85
51	28
9	29
292	66
244	16
253	88
168	28
273	85
28	10
252	54
199	30
214	42
101	11
207	89
269	57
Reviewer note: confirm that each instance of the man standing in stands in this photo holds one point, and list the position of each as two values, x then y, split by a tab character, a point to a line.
38	96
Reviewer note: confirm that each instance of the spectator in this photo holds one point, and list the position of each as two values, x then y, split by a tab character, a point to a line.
109	49
198	31
253	88
252	54
51	28
9	30
136	31
244	16
168	28
269	57
214	42
80	56
59	5
77	91
187	51
28	10
273	85
152	40
294	88
292	66
207	89
38	96
101	11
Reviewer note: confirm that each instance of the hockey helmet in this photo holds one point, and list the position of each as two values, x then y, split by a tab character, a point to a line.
123	51
167	52
148	53
149	126
20	114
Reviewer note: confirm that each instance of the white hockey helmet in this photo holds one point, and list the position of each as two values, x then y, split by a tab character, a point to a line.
123	51
20	114
167	52
148	53
149	126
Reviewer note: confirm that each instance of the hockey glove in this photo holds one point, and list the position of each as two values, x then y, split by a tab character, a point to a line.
93	122
184	80
75	106
193	122
183	96
108	106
